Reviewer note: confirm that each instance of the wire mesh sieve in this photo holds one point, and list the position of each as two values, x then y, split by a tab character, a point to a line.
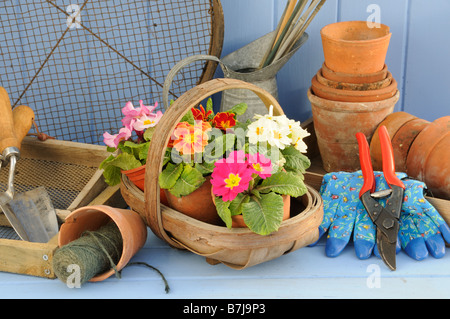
76	63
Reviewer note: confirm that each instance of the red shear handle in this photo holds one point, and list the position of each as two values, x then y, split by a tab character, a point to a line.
366	164
387	155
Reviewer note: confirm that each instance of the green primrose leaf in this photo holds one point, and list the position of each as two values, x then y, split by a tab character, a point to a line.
263	215
285	183
236	203
219	146
205	167
169	176
148	134
223	210
189	180
188	117
209	105
238	109
112	167
112	175
295	160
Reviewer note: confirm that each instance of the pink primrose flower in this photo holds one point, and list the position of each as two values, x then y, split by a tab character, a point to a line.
261	164
133	114
146	121
230	179
114	140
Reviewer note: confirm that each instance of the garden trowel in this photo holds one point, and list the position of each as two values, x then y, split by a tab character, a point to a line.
31	213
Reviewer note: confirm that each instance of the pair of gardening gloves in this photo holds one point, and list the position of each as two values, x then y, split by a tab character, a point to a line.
422	230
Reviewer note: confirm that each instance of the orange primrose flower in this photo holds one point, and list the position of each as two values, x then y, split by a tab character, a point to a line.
224	120
190	139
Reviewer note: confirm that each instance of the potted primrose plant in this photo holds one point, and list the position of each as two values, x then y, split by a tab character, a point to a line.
129	147
197	141
252	186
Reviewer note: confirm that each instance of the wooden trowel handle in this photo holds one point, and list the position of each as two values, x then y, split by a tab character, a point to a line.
7	135
23	117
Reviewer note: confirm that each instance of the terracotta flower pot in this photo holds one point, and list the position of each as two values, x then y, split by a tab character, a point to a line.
130	224
428	157
403	139
237	221
354	86
354	78
333	94
393	123
198	204
336	124
353	47
137	176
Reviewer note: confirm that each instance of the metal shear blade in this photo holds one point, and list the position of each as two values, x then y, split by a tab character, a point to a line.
385	218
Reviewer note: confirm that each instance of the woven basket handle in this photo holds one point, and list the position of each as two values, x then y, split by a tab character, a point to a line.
164	130
182	64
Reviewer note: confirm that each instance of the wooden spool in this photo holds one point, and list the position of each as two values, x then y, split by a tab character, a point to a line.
236	248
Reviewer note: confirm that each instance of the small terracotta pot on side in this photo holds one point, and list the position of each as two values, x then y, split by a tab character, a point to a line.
353	47
393	122
237	221
428	157
403	139
130	224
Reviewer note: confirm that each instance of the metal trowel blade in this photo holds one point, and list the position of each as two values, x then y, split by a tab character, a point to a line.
32	215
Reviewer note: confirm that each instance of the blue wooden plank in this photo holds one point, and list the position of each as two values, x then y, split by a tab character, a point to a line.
294	79
305	273
427	89
245	21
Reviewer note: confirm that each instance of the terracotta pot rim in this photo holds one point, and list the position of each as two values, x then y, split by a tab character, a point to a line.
356	77
353	107
323	33
132	170
351	95
354	86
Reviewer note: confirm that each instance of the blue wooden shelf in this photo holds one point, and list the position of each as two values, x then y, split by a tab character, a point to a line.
305	273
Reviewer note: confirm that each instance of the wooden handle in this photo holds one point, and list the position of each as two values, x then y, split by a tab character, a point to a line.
23	117
164	130
7	135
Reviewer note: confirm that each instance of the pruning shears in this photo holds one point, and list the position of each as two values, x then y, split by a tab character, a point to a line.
386	218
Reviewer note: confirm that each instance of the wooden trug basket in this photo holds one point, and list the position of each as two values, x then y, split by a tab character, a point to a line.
239	247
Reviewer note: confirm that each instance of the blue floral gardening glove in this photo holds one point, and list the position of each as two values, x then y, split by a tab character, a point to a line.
345	214
421	227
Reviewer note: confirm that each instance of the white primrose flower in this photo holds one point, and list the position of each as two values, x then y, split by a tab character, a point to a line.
259	131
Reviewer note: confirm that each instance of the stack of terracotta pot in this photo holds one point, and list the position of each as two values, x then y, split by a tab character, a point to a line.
421	149
352	92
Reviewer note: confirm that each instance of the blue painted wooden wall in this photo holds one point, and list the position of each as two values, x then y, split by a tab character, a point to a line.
417	55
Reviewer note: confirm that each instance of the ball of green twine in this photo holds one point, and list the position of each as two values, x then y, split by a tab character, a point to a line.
95	252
